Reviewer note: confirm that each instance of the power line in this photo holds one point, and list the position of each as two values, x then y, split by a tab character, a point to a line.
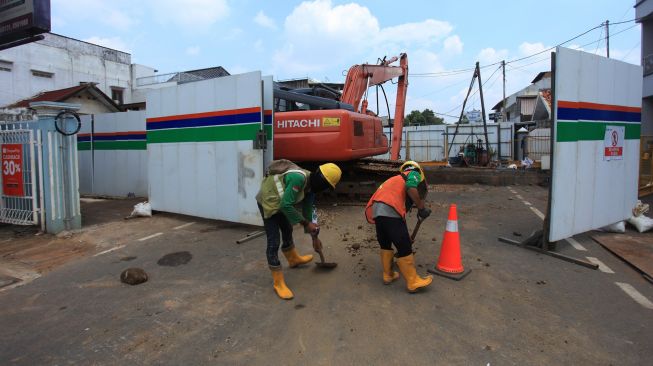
475	91
631	50
459	71
530	63
598	43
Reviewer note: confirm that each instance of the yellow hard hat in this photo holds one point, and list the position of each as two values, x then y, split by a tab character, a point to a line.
415	165
331	173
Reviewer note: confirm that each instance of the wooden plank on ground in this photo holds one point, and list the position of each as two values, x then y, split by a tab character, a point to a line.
636	249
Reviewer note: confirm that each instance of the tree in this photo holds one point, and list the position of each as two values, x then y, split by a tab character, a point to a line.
464	120
431	118
415	118
423	118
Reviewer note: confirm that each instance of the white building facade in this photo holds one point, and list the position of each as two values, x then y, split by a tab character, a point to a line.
58	62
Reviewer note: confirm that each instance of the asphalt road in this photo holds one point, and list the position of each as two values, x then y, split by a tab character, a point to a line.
517	307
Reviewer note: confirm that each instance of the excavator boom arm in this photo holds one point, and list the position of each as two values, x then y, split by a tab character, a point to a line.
361	77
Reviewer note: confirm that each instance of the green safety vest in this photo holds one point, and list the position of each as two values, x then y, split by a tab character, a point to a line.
272	188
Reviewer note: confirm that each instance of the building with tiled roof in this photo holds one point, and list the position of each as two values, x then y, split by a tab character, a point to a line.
90	98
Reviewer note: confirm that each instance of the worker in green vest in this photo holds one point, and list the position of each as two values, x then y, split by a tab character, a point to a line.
285	186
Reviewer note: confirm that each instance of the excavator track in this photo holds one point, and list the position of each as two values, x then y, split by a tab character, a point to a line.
360	179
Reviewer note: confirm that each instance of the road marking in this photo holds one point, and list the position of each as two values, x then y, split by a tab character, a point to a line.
602	266
635	295
576	245
519	197
527	203
150	237
183	226
110	250
537	212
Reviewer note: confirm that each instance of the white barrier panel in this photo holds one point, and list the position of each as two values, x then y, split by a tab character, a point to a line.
268	103
85	156
594	172
112	154
120	155
201	156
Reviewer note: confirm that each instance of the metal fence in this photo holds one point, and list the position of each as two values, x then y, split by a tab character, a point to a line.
19	199
646	165
431	143
176	77
538	143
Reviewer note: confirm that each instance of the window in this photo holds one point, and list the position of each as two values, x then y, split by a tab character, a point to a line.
42	74
117	94
358	128
6	65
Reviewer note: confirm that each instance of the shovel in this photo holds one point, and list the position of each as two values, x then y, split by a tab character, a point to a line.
317	246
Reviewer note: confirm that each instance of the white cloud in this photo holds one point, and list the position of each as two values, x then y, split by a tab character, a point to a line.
265	21
428	31
453	45
191	15
106	12
111	42
491	55
232	34
527	49
193	51
319	35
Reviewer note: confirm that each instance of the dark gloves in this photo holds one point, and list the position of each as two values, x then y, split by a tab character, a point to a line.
423	213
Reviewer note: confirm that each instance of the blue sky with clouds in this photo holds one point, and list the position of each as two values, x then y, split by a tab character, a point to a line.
322	38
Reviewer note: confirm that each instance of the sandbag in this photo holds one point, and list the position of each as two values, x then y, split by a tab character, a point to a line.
143	209
619	227
641	223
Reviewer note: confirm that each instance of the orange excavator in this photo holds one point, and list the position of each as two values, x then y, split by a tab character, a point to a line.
320	124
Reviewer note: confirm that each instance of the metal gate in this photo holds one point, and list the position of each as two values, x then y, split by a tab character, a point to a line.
20	190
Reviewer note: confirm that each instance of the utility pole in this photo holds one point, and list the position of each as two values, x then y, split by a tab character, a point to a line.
503	106
607	37
462	112
480	89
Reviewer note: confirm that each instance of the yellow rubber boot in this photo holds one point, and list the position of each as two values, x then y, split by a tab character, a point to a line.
294	259
280	285
413	281
386	259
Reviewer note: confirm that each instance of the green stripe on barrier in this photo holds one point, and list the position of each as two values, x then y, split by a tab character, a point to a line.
112	145
569	131
241	132
119	145
268	131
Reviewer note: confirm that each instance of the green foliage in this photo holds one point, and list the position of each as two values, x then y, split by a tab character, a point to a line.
464	120
425	118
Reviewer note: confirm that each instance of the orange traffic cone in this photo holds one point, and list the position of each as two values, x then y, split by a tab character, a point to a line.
450	264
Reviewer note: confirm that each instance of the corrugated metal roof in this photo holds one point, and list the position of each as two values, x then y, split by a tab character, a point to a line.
209	73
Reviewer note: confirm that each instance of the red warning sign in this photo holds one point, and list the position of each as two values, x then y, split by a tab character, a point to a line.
613	144
12	170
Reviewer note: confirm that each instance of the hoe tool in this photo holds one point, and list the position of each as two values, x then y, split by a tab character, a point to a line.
416	229
317	246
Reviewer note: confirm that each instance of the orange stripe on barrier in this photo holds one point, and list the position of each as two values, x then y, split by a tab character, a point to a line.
597	106
204	114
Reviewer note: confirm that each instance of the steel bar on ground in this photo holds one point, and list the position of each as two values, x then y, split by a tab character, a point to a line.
250	236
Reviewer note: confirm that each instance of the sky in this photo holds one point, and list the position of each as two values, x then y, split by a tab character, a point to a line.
321	39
